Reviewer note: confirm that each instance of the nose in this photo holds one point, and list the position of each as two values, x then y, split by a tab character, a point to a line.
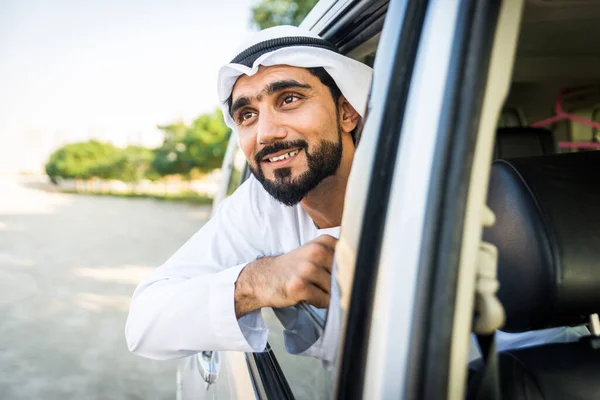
270	128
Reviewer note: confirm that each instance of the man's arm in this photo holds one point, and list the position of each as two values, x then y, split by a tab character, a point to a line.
206	296
303	274
187	304
182	308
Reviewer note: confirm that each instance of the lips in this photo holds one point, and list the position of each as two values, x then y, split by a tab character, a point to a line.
282	156
282	159
271	154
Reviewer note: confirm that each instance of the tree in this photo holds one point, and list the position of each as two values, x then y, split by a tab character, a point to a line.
167	158
80	160
199	146
107	168
269	13
206	141
134	164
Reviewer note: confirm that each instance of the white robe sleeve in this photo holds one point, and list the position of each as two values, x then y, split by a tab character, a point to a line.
187	305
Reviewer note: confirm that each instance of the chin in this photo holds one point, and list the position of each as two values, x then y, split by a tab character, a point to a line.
284	174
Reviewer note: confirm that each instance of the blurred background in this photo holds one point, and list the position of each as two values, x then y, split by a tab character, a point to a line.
111	142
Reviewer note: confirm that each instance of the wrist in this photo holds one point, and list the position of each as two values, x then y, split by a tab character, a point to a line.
247	295
244	287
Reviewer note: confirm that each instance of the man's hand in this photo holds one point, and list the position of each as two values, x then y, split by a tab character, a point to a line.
303	274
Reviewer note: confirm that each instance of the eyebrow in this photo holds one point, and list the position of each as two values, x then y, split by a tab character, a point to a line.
271	88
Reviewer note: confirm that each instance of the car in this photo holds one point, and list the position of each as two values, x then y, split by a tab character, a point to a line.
461	88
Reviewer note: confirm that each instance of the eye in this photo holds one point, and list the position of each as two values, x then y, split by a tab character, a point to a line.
244	116
290	98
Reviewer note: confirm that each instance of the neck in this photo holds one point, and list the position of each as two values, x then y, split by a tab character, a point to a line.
325	203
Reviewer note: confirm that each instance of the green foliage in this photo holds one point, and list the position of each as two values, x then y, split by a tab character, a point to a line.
100	160
107	167
133	164
269	13
78	160
206	141
174	132
199	146
167	160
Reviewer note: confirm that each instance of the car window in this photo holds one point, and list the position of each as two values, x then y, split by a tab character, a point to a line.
305	374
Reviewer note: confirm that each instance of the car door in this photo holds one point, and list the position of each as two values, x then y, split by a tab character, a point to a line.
410	243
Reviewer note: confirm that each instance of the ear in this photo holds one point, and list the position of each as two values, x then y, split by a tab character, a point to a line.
349	117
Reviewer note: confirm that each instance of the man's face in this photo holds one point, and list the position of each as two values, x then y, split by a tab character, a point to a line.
289	130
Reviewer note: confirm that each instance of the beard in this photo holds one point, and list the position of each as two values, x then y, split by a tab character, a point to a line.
323	161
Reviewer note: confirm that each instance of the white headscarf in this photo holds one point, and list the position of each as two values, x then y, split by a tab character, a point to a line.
352	77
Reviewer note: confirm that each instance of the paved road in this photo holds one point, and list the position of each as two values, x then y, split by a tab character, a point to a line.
68	267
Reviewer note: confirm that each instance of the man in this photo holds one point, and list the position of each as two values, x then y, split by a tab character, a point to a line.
294	103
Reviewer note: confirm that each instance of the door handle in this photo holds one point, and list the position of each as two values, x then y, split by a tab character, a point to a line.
209	364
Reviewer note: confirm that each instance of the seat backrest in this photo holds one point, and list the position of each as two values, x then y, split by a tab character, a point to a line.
524	142
554	371
547	232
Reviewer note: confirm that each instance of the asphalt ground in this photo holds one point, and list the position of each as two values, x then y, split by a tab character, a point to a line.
68	266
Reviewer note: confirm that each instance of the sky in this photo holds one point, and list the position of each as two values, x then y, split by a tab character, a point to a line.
71	70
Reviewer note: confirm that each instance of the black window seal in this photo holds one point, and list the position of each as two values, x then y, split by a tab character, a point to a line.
267	377
359	23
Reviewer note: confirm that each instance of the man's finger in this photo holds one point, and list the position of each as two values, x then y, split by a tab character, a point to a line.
322	279
327	266
326	241
317	297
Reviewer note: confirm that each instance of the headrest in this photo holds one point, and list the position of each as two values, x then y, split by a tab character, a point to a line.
547	232
523	142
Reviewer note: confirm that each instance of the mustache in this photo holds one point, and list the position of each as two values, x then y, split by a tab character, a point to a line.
280	146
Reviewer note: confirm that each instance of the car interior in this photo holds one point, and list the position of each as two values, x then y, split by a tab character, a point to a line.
543	189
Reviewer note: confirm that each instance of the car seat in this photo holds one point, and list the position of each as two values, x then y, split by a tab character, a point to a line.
524	142
547	232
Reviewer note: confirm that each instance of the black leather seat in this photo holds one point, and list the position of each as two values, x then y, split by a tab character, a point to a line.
548	236
565	371
524	142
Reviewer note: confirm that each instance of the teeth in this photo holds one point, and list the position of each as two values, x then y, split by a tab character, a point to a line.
284	156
